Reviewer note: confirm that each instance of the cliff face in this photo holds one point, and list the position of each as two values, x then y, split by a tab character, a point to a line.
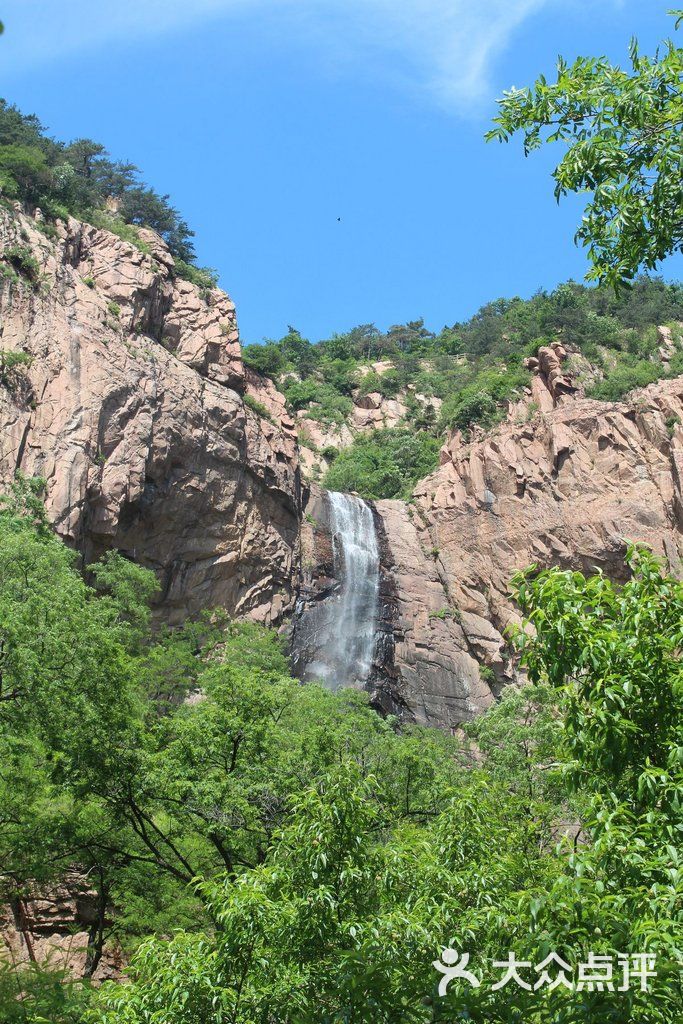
156	441
132	409
565	481
570	487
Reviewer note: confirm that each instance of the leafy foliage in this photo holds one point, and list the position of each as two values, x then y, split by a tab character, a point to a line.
622	130
32	994
273	851
384	464
345	915
80	178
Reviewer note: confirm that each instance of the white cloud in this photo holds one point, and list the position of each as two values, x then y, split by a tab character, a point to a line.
444	48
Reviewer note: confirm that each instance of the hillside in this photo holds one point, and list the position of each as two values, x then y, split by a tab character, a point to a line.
415	386
341	682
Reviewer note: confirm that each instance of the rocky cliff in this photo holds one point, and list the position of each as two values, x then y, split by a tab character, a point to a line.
155	440
571	486
564	481
133	410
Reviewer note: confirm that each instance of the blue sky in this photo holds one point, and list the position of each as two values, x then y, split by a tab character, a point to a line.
267	120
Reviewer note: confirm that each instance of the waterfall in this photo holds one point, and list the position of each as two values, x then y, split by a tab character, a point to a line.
337	635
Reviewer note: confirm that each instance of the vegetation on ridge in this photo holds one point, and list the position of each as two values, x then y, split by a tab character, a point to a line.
472	369
79	178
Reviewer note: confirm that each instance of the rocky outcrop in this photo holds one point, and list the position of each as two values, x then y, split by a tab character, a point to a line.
666	345
375	412
133	411
571	487
56	925
547	363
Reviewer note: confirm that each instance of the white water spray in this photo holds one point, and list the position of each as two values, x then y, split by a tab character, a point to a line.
343	628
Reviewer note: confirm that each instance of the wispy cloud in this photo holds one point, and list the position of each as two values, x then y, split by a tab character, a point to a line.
444	48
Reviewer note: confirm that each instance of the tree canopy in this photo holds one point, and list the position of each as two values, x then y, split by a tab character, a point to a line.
623	135
268	851
343	919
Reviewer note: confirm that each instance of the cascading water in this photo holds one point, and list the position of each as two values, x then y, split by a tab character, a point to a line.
336	636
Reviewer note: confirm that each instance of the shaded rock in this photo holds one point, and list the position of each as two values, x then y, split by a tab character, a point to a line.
50	925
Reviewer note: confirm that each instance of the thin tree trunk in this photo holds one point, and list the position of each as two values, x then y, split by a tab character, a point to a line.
96	932
21	917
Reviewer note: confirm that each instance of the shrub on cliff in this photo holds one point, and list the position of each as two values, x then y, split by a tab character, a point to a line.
622	379
384	464
80	178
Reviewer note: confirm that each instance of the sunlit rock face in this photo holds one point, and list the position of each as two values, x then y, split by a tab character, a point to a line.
570	486
132	410
335	634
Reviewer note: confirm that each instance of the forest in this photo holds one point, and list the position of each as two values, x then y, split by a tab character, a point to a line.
275	851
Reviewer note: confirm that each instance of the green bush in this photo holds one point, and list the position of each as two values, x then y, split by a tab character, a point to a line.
472	407
12	368
40	994
384	464
481	400
622	379
117	226
266	359
23	261
47	229
341	374
300	393
387	384
203	277
321	399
